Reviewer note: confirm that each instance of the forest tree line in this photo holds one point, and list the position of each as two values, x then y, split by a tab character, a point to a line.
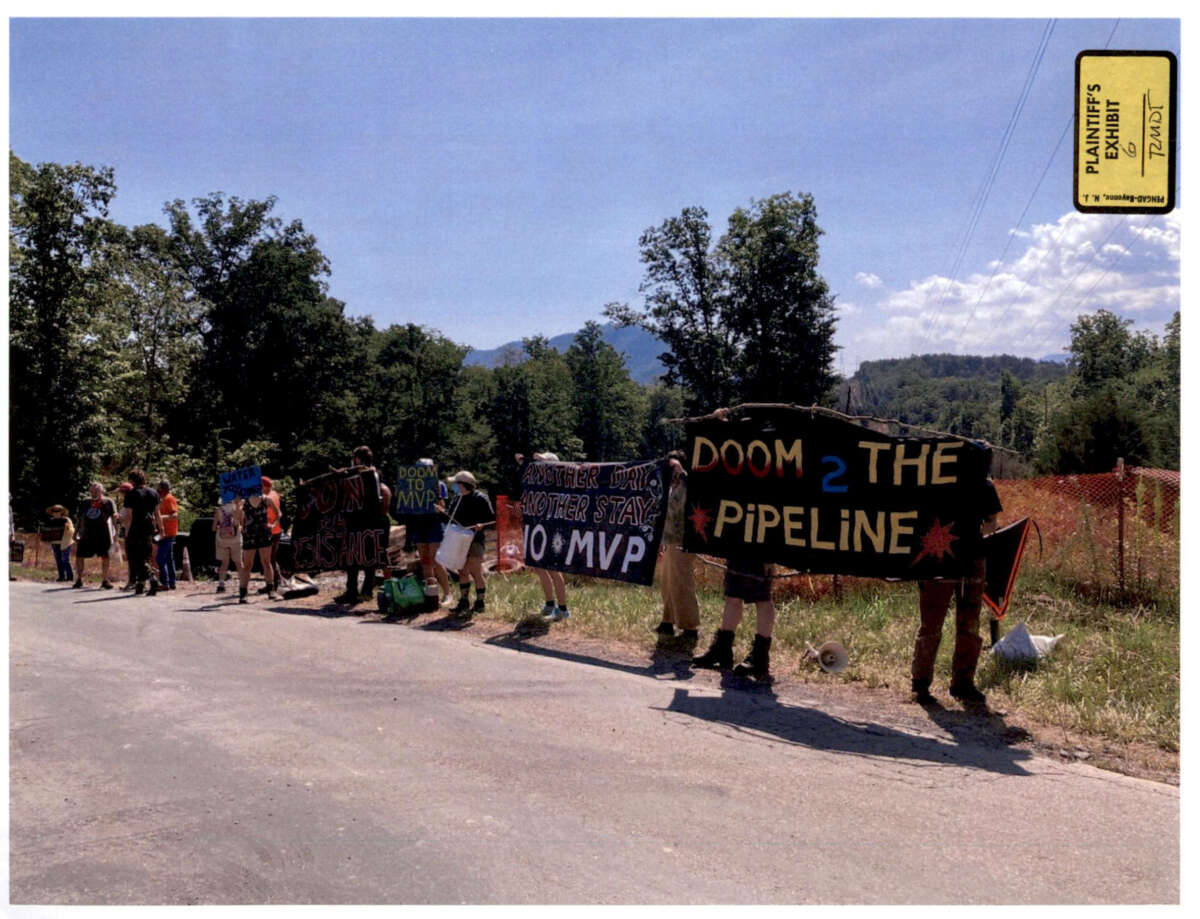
211	342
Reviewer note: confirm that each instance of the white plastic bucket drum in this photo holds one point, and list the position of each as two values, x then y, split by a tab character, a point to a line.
452	554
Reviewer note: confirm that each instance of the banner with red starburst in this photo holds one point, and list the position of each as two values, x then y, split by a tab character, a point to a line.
821	493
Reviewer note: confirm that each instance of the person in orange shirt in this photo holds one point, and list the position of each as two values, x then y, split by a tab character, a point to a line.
168	509
274	521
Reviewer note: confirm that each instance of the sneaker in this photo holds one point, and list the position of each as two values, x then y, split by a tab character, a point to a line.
548	611
220	588
78	583
105	585
271	595
561	613
968	694
665	628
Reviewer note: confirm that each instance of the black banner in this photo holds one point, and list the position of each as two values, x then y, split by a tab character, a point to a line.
340	522
826	495
604	520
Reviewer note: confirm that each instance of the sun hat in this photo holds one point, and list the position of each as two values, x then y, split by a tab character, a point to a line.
546	457
464	477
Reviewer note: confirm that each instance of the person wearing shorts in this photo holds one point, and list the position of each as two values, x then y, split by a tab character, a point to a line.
745	582
473	510
426	531
227	536
95	533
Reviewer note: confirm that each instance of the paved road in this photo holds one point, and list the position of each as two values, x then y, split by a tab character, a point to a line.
183	751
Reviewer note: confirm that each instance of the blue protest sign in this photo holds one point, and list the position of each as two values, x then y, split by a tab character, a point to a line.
416	489
241	483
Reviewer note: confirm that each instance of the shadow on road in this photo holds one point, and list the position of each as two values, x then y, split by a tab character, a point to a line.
976	741
973	744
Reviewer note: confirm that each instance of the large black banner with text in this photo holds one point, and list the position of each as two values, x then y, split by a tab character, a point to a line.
604	520
826	495
340	522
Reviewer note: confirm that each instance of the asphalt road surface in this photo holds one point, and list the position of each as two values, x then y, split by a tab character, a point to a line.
181	750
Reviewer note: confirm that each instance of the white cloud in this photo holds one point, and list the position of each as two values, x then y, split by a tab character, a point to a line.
866	279
1081	263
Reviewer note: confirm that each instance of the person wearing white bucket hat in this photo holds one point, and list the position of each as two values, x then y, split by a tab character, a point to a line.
471	509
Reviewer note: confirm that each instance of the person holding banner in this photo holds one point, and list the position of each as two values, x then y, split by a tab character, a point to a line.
745	582
676	577
554	588
968	601
471	509
426	532
364	458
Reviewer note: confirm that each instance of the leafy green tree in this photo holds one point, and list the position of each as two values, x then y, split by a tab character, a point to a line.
685	293
747	320
281	361
608	405
58	227
779	307
660	436
154	332
532	409
411	396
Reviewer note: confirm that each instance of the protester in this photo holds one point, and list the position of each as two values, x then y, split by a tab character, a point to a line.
934	603
471	509
677	578
168	510
364	459
144	523
62	547
122	526
227	535
745	582
554	588
95	534
275	522
426	532
251	518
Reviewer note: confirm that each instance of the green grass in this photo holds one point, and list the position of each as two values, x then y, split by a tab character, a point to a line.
1115	674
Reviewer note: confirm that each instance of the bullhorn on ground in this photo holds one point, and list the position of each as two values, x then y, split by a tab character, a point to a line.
831	656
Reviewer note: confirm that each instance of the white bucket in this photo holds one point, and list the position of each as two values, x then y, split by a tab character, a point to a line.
452	553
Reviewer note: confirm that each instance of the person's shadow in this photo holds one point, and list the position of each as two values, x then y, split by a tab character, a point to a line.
759	711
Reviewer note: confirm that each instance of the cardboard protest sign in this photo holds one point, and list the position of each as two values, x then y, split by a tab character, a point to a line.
603	520
241	483
823	494
340	522
416	489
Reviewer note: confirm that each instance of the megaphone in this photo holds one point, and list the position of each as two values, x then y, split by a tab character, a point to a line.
831	657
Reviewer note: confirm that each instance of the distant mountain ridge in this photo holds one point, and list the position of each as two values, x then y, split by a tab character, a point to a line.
641	350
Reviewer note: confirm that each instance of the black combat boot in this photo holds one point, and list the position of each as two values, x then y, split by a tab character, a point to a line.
719	655
757	664
921	693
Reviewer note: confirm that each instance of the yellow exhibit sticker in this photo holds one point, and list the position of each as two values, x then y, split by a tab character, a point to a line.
1125	132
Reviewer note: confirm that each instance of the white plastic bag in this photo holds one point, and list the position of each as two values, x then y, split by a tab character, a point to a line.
1019	645
452	553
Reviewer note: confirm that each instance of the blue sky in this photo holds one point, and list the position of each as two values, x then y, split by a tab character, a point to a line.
490	178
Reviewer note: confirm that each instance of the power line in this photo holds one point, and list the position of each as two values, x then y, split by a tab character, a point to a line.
984	193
